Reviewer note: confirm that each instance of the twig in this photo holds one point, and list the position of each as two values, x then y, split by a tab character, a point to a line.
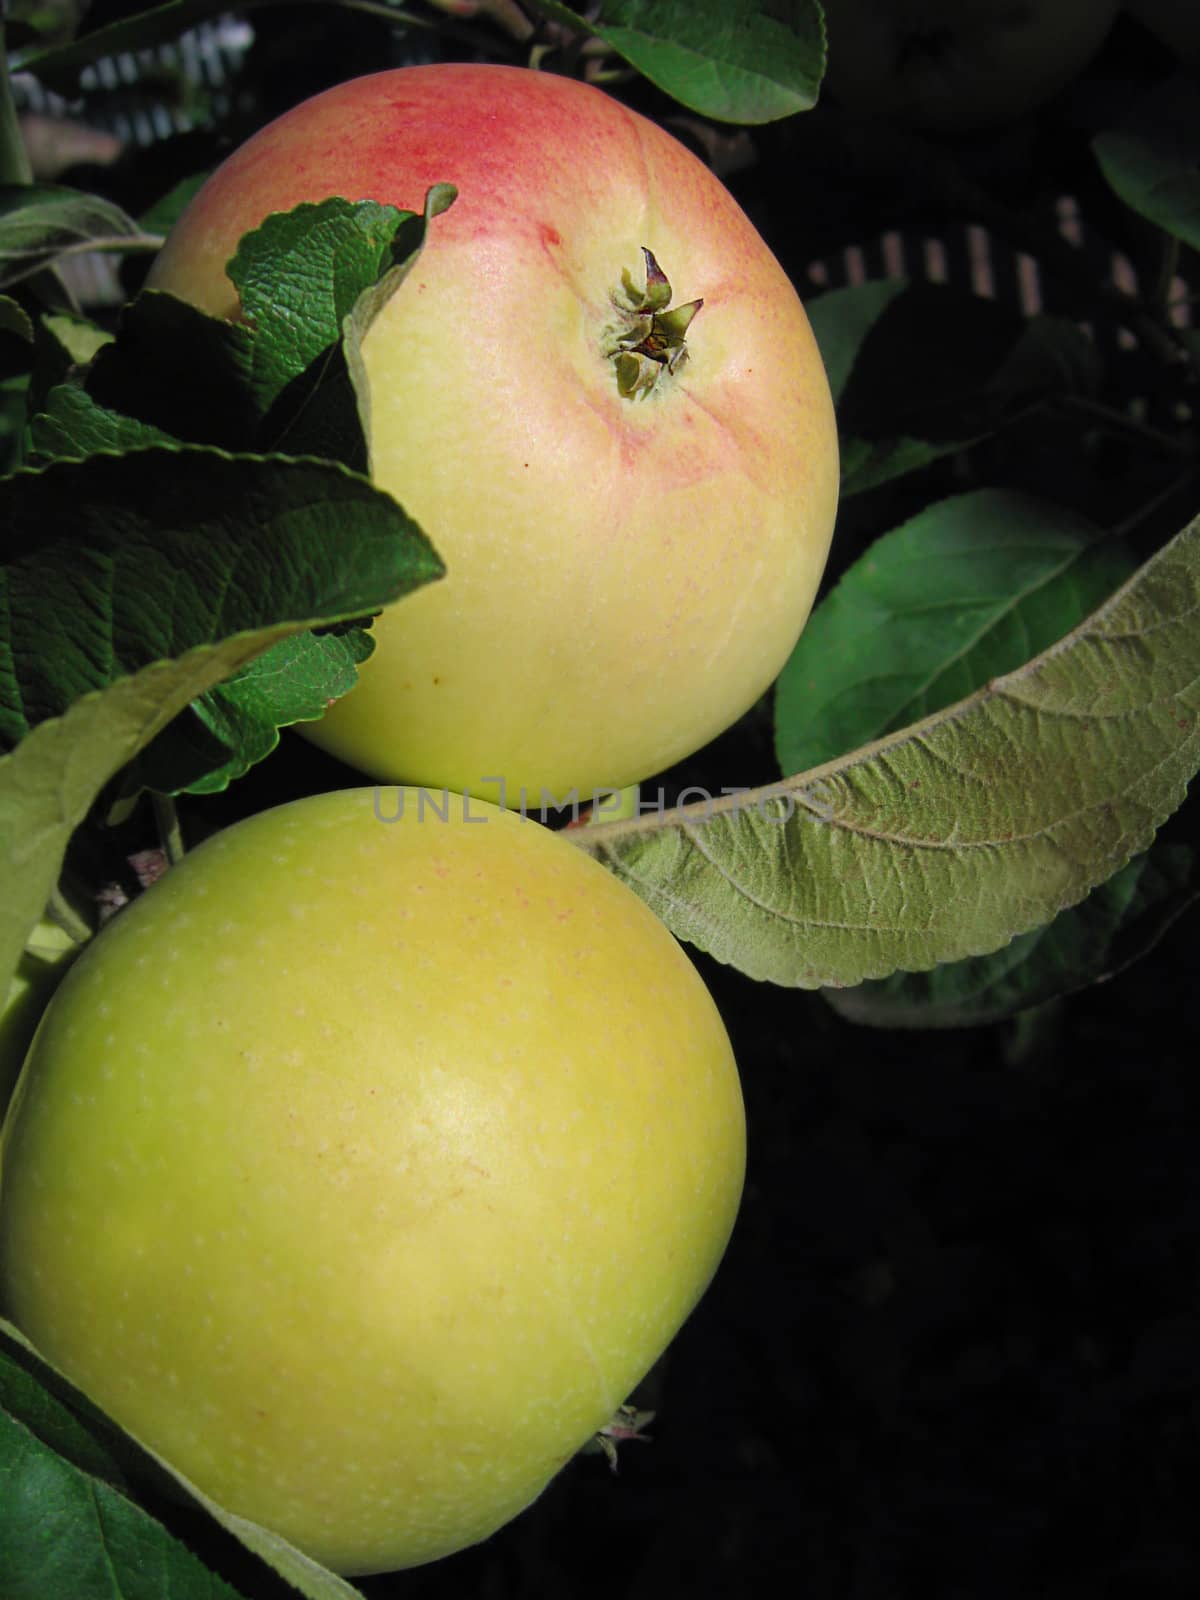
1118	422
14	158
170	834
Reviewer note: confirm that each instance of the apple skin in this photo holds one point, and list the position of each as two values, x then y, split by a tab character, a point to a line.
625	576
361	1169
959	64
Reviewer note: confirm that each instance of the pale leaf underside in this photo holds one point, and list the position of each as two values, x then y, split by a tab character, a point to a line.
951	837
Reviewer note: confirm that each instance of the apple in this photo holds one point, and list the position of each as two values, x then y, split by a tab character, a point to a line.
363	1165
633	541
1176	23
948	64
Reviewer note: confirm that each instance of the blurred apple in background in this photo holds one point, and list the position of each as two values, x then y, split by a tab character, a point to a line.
949	64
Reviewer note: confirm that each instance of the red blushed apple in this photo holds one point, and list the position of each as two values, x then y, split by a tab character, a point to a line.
634	498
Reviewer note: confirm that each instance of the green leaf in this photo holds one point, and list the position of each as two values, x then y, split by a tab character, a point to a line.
79	339
42	16
745	61
947	839
49	782
309	280
23	1399
14	393
293	681
306	279
14	319
40	223
64	345
1052	358
72	426
969	589
166	211
841	320
118	561
115	567
66	1532
181	373
298	277
919	371
889	646
1152	158
1118	923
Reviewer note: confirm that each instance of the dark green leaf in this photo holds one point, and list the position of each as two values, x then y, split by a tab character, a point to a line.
747	61
1117	924
308	281
238	721
1052	358
13	411
65	1518
73	425
24	1398
115	562
14	319
168	208
298	277
918	371
969	589
247	552
64	344
77	338
1152	158
181	373
65	1529
841	320
43	17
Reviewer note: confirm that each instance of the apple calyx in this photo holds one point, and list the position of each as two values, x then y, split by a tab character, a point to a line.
650	339
625	1425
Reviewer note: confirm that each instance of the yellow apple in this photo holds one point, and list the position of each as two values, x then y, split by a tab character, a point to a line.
947	64
363	1166
627	571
